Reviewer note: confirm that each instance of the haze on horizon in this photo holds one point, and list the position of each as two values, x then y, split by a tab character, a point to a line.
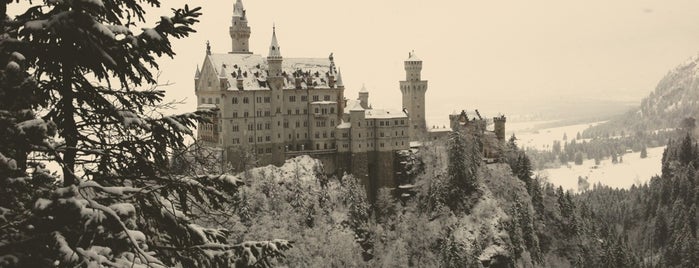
495	56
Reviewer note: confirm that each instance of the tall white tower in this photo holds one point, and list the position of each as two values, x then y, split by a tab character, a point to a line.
413	91
239	30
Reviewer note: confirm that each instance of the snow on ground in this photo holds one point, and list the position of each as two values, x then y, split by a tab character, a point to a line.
543	139
301	168
633	170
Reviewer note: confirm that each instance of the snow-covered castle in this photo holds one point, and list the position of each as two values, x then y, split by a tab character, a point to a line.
273	108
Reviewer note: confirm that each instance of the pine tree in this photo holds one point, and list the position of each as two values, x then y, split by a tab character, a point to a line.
93	86
644	152
463	162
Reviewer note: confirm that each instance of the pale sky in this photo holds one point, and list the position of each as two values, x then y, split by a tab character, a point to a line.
490	55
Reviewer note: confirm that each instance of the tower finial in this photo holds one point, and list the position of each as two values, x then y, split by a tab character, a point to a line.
208	48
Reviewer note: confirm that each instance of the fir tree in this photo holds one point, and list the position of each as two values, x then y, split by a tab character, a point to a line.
91	83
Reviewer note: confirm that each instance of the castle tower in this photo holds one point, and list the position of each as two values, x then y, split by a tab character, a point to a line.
499	128
364	97
413	91
239	30
275	82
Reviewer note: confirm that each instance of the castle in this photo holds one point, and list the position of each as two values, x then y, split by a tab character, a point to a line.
273	108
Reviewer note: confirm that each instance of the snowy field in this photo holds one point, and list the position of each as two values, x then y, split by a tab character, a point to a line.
633	170
543	139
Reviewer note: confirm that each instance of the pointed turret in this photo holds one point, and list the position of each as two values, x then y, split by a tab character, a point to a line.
274	58
339	83
274	47
197	73
364	97
238	10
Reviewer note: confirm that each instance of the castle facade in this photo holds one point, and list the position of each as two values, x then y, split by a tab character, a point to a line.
273	108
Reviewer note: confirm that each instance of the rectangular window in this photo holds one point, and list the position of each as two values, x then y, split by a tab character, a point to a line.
259	139
235	128
235	100
326	97
298	124
245	114
259	99
268	113
245	100
235	114
250	139
304	98
251	127
288	112
268	99
259	126
292	98
267	138
267	126
315	98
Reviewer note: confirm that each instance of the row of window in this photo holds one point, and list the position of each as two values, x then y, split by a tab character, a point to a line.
266	113
324	110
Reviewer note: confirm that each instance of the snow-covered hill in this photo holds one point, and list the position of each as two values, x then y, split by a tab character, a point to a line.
675	97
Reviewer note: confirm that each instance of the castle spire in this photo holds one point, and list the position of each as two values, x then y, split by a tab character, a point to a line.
238	10
339	79
274	47
363	90
197	73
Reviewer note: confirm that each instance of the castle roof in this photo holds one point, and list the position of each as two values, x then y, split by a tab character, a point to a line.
384	114
413	57
349	105
363	90
357	107
238	10
254	70
274	47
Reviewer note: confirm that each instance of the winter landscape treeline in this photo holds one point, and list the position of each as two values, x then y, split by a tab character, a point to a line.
78	89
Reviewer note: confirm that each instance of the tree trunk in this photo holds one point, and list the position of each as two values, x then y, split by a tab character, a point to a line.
70	131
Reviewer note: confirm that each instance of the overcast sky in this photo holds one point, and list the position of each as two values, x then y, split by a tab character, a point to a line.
476	54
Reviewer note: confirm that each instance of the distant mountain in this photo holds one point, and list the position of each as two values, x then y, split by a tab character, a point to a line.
675	98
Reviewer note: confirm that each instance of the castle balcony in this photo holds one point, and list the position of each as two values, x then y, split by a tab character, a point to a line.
310	152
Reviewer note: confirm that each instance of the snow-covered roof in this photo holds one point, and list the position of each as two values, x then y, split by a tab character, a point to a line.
440	129
384	114
324	102
357	107
415	144
344	124
254	70
206	106
413	57
363	90
350	104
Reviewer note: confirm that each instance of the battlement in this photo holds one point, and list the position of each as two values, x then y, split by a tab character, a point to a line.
499	119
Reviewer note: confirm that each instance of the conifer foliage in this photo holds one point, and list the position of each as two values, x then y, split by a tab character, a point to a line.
77	88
